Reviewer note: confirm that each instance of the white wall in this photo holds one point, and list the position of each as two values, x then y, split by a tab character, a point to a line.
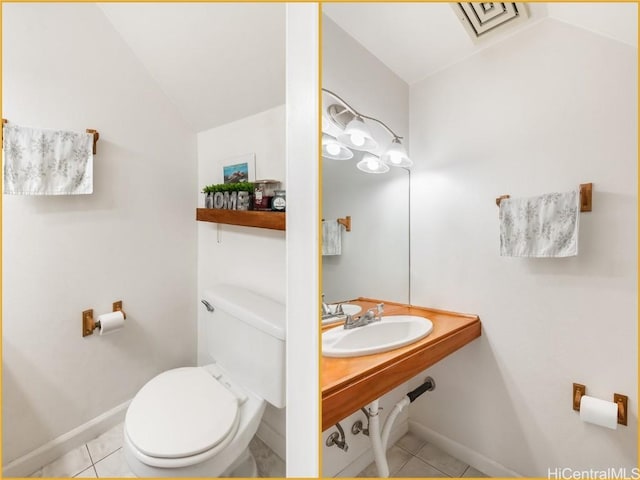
303	303
552	107
375	258
134	239
252	257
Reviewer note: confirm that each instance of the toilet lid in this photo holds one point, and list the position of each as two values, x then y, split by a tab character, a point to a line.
181	412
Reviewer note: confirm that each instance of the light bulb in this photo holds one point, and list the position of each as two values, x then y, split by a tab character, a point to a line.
333	148
395	158
357	139
373	164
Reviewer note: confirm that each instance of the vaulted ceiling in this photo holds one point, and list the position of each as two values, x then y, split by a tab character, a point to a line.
217	62
418	39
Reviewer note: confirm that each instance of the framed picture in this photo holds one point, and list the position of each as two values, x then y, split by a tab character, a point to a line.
240	169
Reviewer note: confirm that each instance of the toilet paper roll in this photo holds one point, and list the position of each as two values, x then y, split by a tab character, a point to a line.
599	412
111	322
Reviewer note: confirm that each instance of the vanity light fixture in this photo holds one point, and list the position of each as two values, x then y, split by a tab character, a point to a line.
333	149
356	135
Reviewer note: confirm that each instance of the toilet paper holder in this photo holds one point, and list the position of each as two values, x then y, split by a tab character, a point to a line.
621	400
88	322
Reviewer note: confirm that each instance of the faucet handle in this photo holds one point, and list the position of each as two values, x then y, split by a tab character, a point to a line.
348	322
380	307
369	314
324	307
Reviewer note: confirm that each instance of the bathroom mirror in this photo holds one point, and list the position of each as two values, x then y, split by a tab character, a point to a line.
374	262
375	253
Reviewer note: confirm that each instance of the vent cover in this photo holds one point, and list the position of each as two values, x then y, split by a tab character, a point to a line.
484	19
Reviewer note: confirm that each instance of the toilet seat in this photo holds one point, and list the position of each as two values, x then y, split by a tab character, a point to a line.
182	416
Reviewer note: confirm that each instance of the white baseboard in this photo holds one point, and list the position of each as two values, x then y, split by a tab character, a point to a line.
47	453
360	463
274	440
462	452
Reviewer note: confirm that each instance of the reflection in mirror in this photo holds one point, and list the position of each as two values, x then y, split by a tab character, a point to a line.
374	256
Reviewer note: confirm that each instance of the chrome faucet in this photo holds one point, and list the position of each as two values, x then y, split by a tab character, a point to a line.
327	313
365	319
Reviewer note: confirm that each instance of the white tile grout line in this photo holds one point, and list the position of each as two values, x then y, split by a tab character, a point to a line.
103	459
93	465
89	452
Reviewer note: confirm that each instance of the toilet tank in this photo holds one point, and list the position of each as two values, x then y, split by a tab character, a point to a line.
245	334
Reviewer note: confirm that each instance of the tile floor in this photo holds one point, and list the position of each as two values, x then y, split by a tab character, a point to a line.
102	457
413	457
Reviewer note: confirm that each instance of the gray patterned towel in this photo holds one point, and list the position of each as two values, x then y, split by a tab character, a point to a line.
47	162
543	226
331	238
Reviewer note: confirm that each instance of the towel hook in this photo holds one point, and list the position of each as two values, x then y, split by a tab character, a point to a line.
346	222
586	196
500	198
95	133
96	136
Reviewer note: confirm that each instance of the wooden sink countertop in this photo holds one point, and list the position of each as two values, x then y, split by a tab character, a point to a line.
349	384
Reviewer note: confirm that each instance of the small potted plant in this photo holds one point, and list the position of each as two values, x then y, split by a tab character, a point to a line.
230	196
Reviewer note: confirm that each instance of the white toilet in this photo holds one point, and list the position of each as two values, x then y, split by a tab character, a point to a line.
198	421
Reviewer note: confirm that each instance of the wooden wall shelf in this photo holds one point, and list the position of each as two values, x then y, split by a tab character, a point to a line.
246	218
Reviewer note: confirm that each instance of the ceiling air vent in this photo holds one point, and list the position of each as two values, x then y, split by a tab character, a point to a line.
484	19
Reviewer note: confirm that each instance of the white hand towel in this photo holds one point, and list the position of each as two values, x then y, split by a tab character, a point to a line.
543	226
47	162
331	238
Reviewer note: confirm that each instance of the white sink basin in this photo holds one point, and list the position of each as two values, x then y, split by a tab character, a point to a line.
392	332
347	308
